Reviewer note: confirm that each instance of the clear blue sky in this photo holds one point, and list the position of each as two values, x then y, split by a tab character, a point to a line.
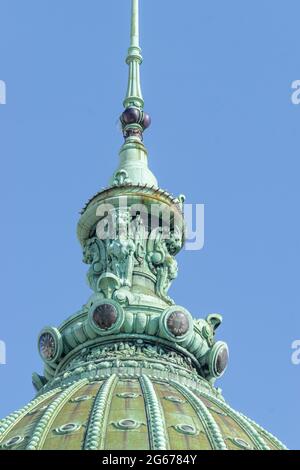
216	80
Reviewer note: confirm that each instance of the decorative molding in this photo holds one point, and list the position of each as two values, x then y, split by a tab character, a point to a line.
241	443
94	439
187	429
128	395
276	442
13	419
174	399
127	424
44	424
12	442
239	419
68	428
211	428
156	421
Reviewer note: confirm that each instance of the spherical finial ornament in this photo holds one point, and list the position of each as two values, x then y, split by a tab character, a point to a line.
146	121
134	121
131	116
105	316
178	323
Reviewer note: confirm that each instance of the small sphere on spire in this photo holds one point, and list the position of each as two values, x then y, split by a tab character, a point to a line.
146	121
131	116
134	115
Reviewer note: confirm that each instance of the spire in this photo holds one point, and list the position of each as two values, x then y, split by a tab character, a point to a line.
133	166
134	59
134	120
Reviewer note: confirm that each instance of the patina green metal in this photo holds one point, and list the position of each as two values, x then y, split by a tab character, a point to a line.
134	59
132	369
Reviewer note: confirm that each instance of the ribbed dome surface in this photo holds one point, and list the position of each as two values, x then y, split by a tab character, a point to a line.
131	370
132	411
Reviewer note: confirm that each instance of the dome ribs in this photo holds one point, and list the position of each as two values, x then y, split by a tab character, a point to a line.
95	437
44	424
14	418
212	429
240	420
157	427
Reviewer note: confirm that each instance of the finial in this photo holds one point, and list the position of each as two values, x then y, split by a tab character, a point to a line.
134	120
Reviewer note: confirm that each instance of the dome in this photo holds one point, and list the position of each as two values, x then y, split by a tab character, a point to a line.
133	410
131	370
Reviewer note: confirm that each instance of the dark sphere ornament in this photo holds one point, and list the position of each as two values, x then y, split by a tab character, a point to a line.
146	121
178	323
136	116
131	116
47	345
105	316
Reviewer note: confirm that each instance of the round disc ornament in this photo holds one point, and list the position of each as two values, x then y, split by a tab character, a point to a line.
218	359
50	344
176	324
106	317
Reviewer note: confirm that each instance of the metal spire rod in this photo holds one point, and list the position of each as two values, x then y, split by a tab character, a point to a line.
135	33
134	59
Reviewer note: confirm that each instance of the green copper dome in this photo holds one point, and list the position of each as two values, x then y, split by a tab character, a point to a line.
133	408
132	369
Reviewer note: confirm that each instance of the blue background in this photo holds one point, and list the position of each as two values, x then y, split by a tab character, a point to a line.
217	81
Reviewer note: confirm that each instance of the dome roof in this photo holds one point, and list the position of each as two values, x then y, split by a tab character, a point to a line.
132	370
132	411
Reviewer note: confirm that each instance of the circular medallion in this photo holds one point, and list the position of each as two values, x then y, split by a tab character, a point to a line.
47	346
174	399
218	359
127	424
81	398
67	428
241	443
222	361
106	317
128	395
176	324
186	429
13	441
50	344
